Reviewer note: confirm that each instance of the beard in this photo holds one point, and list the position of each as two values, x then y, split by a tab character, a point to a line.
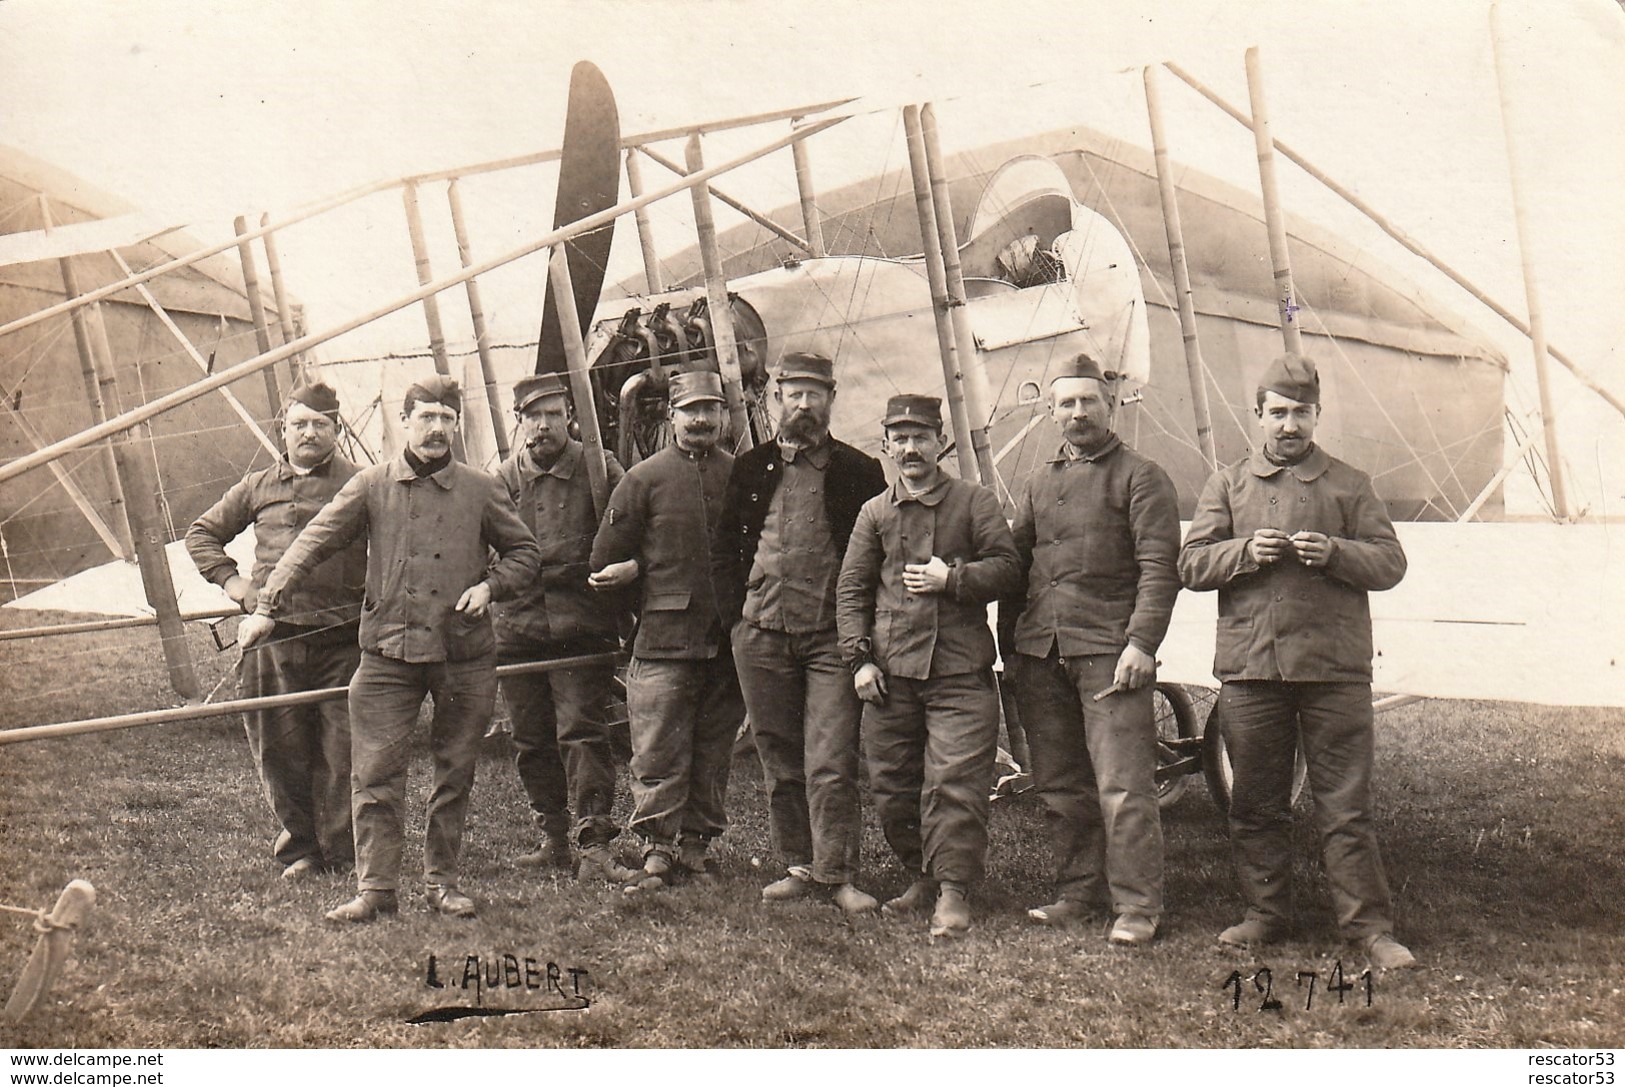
803	427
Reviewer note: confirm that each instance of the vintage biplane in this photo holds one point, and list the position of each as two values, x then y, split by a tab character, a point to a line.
143	393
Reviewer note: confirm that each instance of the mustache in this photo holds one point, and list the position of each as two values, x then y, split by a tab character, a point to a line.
913	458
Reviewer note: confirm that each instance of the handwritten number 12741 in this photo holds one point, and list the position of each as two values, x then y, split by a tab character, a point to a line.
1263	981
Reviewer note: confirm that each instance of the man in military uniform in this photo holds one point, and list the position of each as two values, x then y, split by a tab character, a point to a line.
560	722
1294	540
926	558
430	524
1098	532
302	752
681	692
786	519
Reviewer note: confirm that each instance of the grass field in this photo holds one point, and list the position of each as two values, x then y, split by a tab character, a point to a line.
1501	827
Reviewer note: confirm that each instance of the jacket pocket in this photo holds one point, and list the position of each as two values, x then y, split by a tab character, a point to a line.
466	637
665	623
1234	641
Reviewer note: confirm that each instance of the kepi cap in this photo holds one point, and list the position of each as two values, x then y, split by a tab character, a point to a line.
436	389
316	395
1294	377
694	385
532	387
1081	365
807	367
914	408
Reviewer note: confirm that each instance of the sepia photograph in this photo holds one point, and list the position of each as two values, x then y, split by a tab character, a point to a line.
666	525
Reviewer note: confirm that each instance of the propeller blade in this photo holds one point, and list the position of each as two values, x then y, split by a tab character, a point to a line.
589	182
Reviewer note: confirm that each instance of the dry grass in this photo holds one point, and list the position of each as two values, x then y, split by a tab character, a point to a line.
1500	824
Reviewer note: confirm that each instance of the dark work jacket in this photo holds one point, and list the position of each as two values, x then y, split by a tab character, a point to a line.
852	478
1288	621
556	504
663	514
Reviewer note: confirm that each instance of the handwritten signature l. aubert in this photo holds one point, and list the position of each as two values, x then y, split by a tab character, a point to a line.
506	973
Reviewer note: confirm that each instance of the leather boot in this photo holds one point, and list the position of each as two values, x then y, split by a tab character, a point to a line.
447	899
599	864
921	895
554	850
951	918
366	906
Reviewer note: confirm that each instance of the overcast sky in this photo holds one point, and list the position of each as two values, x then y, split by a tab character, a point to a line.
216	108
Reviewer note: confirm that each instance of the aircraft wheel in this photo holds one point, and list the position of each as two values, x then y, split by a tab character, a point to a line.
1176	720
1216	764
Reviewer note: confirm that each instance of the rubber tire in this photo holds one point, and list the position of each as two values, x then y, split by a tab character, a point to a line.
1216	764
1175	715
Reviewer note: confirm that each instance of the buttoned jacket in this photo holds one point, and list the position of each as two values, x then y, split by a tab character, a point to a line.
851	479
279	502
556	504
428	540
1288	621
920	635
1098	536
663	514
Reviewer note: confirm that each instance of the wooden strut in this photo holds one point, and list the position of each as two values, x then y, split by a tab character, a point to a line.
145	530
279	291
159	405
94	625
1531	290
1410	244
256	311
1274	223
953	383
320	207
811	221
476	315
420	257
646	240
1175	232
718	309
971	373
241	705
738	205
125	548
192	352
575	354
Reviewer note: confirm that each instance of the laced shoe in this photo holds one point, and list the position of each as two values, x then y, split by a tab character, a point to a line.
366	906
853	901
1384	952
655	874
598	864
447	899
1251	932
798	884
951	918
553	852
1133	930
1061	913
691	857
301	869
921	894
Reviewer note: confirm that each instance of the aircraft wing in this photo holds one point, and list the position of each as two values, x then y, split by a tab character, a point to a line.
76	239
114	588
1509	612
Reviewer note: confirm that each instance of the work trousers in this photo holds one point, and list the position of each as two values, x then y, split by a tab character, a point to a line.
385	697
1265	723
302	753
561	739
805	713
1095	765
685	715
930	748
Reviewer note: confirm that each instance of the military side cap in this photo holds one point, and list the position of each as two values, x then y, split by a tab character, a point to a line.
1080	365
807	367
913	408
531	388
695	385
437	389
316	395
1294	377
